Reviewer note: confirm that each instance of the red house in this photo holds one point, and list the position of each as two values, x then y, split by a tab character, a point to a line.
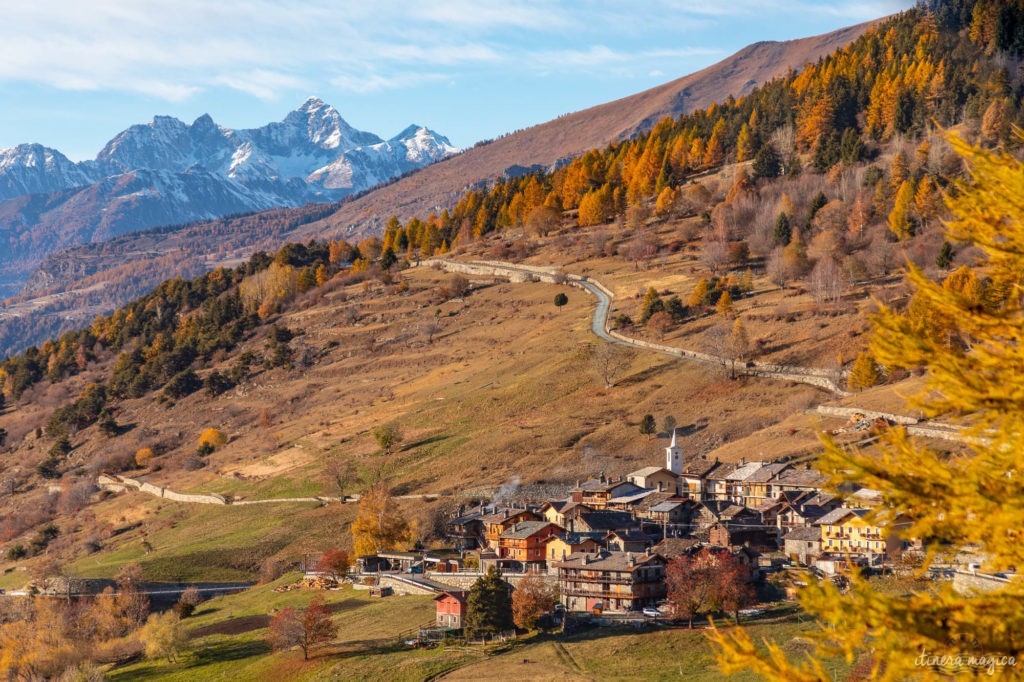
451	609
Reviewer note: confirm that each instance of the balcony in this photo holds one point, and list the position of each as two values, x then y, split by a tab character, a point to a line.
594	577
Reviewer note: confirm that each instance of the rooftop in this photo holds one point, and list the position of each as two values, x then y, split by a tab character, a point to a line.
525	529
648	471
807	534
609	561
744	471
631	498
837	515
667	506
673	547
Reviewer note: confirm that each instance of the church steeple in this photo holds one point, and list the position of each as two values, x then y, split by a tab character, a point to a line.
674	456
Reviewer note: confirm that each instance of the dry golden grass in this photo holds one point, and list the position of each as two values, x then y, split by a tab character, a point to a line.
498	394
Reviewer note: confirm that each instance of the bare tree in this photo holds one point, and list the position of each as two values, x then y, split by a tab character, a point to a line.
714	254
609	360
430	329
341	471
827	281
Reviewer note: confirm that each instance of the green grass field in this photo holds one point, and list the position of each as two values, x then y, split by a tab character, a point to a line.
229	644
220	544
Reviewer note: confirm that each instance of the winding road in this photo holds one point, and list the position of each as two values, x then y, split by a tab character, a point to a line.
819	378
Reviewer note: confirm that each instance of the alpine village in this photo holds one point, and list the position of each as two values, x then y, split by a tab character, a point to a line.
720	380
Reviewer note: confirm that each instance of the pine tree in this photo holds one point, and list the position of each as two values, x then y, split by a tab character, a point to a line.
783	231
647	425
945	257
767	163
488	606
951	502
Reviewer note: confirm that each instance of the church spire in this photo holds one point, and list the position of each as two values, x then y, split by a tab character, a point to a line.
674	456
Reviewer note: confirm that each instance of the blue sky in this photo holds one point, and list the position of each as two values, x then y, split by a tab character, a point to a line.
73	73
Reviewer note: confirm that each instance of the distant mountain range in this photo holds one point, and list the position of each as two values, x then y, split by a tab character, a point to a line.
168	172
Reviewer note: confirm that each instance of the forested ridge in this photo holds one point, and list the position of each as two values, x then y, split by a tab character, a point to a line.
938	65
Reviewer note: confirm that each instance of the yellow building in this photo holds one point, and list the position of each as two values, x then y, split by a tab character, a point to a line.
847	532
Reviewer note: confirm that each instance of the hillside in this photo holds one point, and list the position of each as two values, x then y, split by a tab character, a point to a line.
554	142
64	285
214	428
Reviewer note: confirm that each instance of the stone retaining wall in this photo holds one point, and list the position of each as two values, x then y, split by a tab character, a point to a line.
969	582
464	581
848	412
122	483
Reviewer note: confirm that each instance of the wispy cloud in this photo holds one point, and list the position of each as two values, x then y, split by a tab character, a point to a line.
173	49
374	82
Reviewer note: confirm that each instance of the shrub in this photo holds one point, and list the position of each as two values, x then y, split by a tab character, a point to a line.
143	456
210	440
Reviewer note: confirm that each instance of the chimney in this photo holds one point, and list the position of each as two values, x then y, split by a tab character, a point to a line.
604	479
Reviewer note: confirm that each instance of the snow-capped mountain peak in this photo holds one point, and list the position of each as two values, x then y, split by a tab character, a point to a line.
167	171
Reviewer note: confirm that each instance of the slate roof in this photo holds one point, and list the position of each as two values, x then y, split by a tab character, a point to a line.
632	498
607	520
525	529
647	471
629	534
721	470
573	538
608	561
673	547
743	471
698	467
810	478
807	534
656	498
766	472
837	515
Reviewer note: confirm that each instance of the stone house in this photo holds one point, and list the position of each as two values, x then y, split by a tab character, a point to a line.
655	478
631	540
802	545
596	492
618	582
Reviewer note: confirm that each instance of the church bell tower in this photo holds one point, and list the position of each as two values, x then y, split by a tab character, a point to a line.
674	456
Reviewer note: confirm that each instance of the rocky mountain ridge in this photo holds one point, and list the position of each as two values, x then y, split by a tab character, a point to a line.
169	172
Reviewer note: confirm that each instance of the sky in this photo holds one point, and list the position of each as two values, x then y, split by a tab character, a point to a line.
73	73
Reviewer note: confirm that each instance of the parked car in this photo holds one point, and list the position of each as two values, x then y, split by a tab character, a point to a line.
652	612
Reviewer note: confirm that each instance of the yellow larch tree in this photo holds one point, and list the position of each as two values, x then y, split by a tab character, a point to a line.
952	502
379	525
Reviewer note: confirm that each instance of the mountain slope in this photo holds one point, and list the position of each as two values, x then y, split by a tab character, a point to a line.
567	136
168	172
94	273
